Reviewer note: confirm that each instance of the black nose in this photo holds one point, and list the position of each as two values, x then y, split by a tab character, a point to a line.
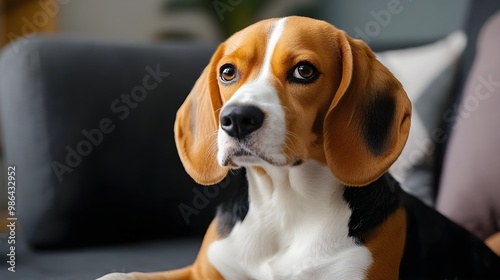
239	121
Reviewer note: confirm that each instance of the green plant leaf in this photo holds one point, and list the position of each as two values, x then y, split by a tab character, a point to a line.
232	16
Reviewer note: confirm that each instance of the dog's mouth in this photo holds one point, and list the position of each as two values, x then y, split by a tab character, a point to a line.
243	156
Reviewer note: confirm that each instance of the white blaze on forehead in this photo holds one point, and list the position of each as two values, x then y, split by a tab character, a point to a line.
261	90
278	28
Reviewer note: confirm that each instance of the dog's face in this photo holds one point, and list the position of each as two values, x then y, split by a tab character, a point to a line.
276	85
285	91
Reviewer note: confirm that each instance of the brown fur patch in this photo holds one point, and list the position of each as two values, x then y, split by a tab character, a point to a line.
387	245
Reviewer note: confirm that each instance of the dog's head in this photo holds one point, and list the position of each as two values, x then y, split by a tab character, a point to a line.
284	91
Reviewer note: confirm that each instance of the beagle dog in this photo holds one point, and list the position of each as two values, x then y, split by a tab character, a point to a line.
316	121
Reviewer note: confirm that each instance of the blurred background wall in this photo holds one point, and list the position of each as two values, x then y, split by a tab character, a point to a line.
152	20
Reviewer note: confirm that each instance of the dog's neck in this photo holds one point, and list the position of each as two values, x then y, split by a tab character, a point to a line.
308	190
286	196
286	201
304	190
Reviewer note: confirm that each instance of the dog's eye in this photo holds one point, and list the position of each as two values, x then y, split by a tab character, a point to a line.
227	73
304	72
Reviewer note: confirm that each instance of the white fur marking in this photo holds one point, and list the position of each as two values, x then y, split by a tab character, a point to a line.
278	29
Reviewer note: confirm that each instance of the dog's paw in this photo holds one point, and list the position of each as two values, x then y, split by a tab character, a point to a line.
118	276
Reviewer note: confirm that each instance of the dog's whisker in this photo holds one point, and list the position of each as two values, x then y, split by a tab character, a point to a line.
212	149
289	136
289	148
295	154
292	134
207	137
285	108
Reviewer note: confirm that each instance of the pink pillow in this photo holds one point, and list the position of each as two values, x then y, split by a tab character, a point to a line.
470	183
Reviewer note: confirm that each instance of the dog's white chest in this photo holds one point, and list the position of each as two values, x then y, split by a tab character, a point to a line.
293	230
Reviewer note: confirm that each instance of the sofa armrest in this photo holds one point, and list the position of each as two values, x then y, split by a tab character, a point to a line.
89	126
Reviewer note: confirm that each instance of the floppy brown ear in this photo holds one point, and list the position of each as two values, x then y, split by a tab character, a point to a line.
196	127
368	121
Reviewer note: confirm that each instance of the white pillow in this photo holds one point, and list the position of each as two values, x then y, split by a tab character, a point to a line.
427	74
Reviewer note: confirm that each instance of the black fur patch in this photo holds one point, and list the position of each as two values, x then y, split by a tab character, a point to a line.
437	248
377	123
235	208
371	205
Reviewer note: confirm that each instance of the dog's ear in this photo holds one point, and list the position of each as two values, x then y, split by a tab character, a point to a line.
196	127
368	121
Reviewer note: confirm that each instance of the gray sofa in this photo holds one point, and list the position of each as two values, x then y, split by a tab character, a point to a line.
89	127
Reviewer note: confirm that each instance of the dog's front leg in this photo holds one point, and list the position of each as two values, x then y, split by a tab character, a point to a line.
180	274
202	269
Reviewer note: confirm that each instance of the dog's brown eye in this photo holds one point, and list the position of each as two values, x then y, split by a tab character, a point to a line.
227	73
304	73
